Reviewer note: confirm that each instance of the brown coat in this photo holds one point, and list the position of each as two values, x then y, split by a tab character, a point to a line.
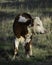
20	28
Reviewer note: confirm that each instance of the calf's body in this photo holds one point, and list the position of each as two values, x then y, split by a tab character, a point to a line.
23	27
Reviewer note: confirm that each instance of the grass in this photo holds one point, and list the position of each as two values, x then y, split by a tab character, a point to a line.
42	44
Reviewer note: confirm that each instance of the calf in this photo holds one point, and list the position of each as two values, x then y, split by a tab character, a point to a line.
23	27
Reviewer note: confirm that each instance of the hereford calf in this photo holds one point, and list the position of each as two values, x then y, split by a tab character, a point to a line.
24	26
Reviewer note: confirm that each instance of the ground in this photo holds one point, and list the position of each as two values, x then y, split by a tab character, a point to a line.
42	44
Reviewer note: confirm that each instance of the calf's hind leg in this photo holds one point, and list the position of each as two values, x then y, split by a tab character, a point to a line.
16	47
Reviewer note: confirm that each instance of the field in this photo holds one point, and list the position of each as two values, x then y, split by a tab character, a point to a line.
42	43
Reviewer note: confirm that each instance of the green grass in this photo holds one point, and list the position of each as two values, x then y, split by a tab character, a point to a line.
42	44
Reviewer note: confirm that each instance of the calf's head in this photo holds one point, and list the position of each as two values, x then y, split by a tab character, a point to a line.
38	26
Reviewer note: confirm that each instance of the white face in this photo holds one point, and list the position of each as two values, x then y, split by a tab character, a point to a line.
38	26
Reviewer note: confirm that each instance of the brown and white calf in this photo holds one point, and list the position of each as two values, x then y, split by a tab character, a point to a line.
23	27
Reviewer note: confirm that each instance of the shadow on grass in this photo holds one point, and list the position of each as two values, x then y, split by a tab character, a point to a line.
27	3
5	15
6	60
7	54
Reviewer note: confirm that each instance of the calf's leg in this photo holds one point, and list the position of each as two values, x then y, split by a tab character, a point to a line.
16	47
28	49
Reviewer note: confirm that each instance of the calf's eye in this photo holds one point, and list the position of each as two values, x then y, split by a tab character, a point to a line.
38	24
